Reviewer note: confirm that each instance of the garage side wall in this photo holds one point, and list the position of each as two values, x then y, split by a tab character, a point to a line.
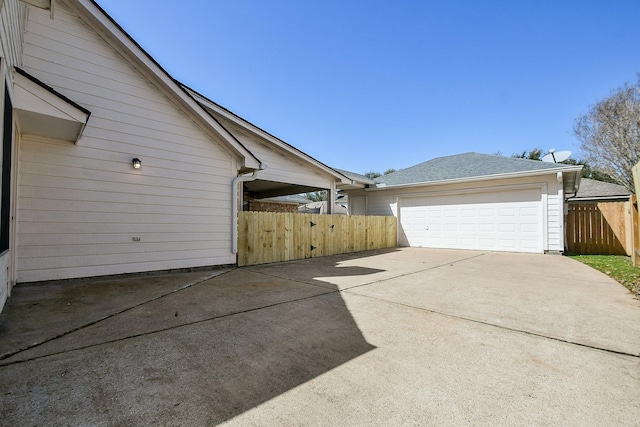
385	202
83	210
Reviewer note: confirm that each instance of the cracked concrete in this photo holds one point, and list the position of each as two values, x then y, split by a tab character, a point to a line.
393	337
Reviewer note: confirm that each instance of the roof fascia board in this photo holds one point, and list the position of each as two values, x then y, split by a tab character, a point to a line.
66	118
599	199
218	109
481	178
108	28
40	89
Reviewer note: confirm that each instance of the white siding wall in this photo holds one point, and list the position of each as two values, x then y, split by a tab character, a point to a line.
11	29
80	206
11	26
281	167
384	202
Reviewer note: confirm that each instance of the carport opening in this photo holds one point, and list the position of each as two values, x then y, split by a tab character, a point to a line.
271	196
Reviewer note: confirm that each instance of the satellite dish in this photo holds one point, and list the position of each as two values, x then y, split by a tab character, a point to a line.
556	156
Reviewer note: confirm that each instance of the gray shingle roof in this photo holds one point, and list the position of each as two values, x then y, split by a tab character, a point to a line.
355	176
592	189
293	198
467	165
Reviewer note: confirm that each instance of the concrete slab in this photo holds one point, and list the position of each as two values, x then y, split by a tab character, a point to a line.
200	374
352	270
232	292
403	337
40	312
549	295
428	369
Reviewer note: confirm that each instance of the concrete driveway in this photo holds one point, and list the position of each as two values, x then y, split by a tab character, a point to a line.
398	337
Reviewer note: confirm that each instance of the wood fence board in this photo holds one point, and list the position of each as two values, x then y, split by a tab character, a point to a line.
597	228
265	237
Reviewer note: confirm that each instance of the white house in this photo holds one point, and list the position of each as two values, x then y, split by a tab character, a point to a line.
80	100
473	201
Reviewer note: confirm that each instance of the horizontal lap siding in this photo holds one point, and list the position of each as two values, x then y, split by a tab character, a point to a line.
554	224
80	206
11	26
281	166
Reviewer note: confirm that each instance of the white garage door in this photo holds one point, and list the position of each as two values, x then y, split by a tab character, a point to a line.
498	221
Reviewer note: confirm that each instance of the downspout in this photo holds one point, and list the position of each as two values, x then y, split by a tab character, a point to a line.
234	207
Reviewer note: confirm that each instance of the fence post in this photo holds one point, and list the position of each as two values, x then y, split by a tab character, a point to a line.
635	233
635	171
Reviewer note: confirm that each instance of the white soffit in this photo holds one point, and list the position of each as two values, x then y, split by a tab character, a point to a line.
45	113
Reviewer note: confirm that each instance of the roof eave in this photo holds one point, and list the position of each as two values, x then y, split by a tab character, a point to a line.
599	198
576	169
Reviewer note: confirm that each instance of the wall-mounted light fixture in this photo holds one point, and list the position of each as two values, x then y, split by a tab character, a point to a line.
137	163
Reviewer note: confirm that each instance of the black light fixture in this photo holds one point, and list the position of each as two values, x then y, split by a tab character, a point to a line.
137	163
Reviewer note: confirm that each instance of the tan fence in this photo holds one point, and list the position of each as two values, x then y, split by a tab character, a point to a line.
265	237
599	228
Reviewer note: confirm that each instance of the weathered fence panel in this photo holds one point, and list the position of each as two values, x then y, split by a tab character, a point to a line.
265	237
598	228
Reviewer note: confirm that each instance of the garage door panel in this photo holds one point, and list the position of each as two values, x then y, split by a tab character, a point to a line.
464	241
486	228
507	212
450	227
529	211
507	228
508	243
500	220
468	228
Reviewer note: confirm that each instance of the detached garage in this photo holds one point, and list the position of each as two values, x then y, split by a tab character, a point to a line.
474	201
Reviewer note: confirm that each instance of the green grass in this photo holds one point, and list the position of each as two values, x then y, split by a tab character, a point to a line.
619	268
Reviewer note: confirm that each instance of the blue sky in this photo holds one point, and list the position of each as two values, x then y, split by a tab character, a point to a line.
372	85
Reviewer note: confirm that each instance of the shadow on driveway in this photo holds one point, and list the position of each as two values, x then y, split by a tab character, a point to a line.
191	348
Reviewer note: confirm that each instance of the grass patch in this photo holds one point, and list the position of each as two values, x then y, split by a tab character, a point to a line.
619	268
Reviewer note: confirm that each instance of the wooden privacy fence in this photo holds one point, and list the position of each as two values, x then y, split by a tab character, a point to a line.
265	237
599	228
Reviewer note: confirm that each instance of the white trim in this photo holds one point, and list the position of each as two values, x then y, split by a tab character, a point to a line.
41	112
488	189
476	178
13	212
544	206
561	211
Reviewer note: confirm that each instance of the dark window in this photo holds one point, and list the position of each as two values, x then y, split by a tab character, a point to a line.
5	200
